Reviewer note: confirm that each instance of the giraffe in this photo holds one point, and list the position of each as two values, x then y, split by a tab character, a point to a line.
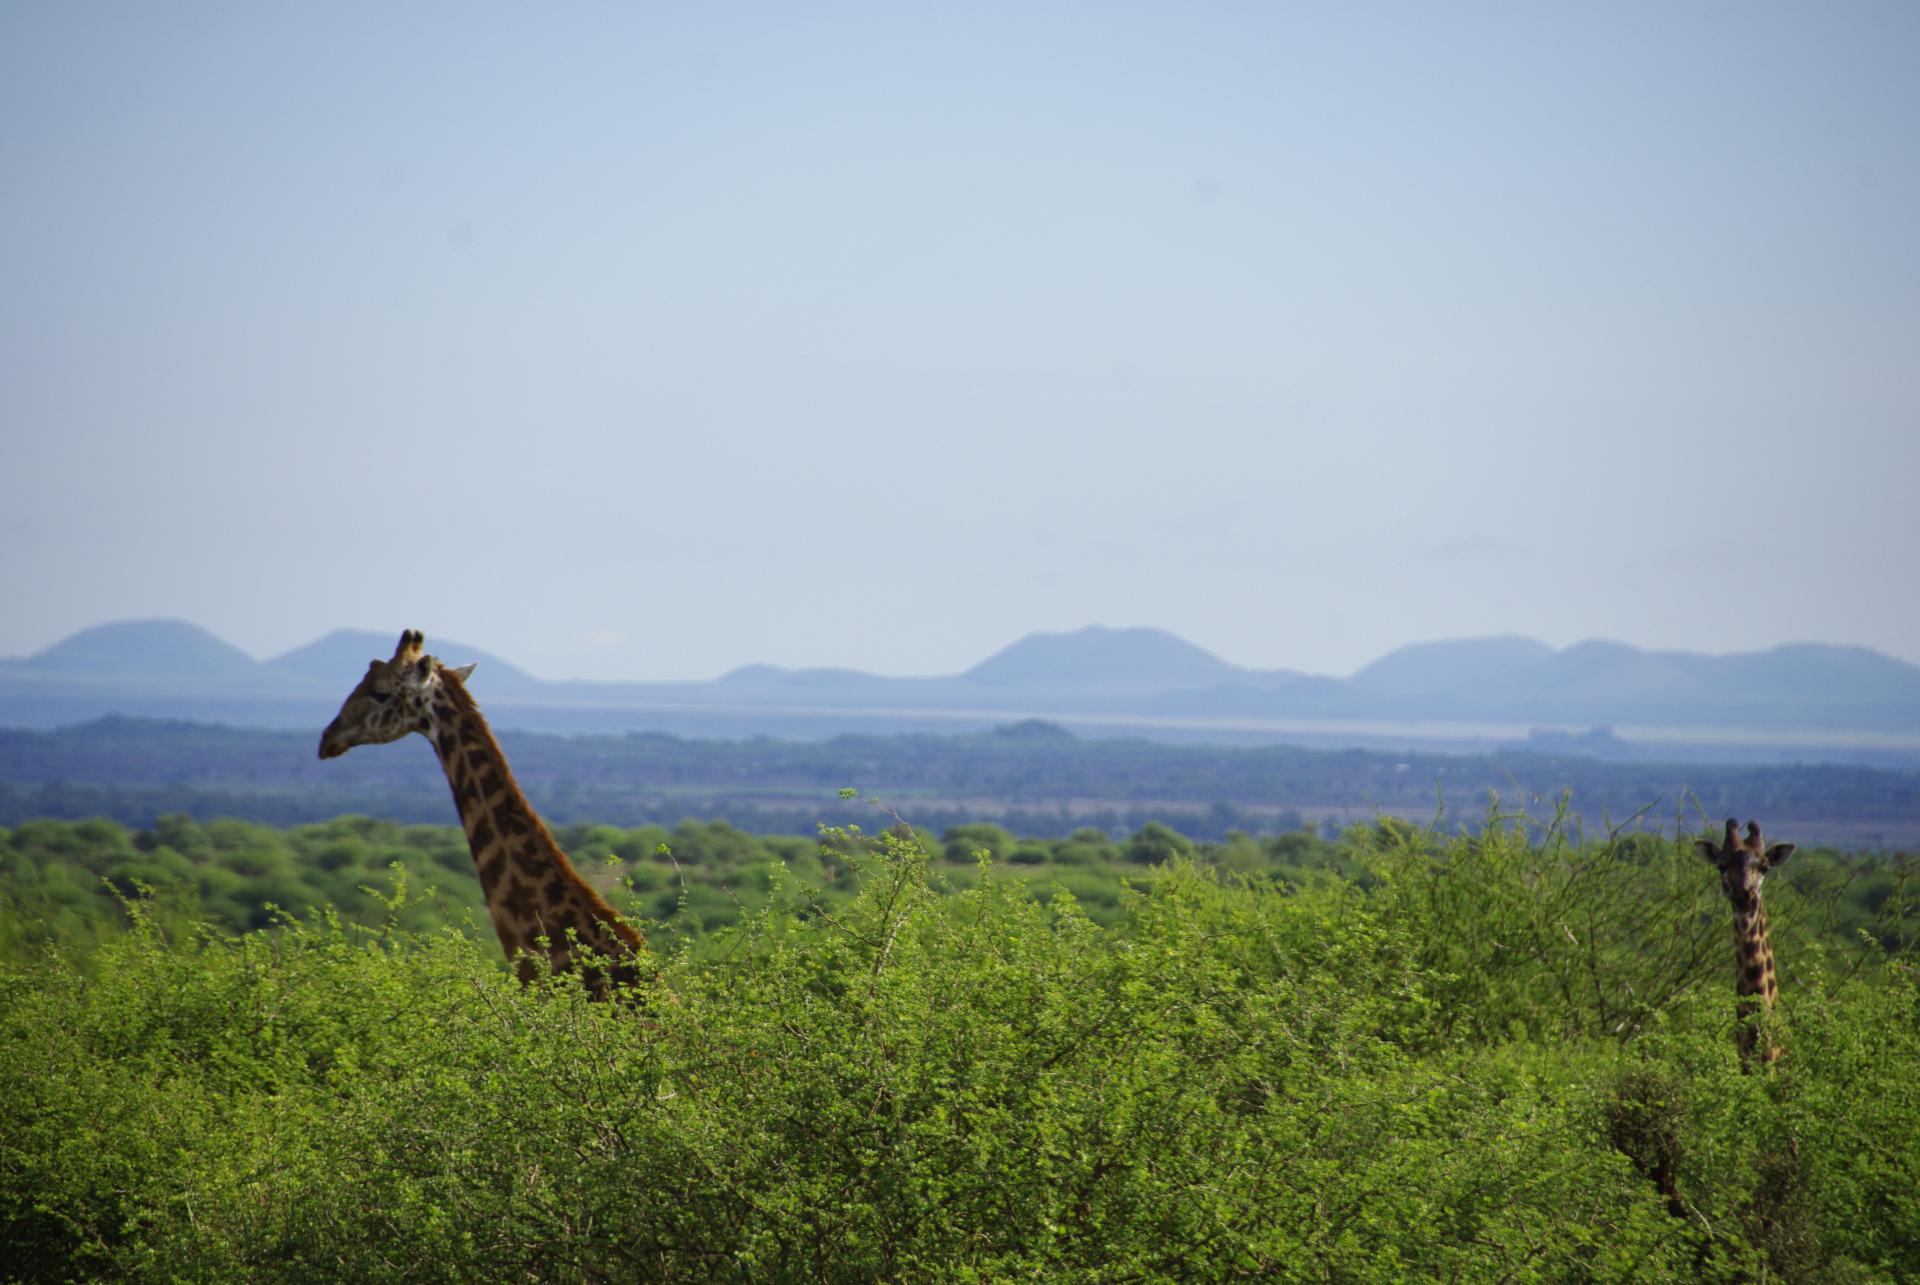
1744	864
537	900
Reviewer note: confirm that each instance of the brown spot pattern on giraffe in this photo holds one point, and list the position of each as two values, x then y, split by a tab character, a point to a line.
519	901
524	874
1743	864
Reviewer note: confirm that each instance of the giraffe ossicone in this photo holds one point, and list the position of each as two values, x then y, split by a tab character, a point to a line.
539	904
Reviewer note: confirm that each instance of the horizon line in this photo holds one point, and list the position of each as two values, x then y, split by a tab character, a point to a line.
1030	635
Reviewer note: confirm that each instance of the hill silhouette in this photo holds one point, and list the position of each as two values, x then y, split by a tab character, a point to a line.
1792	702
1451	666
1097	656
334	659
154	650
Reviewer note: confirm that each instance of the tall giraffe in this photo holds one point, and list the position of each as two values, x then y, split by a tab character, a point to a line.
534	895
1744	864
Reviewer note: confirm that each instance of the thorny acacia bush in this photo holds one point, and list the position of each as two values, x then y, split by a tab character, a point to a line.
1463	1070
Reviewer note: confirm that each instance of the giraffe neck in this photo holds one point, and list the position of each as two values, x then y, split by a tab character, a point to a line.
533	893
1754	982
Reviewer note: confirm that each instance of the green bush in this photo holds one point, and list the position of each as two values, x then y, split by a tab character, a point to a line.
1490	1060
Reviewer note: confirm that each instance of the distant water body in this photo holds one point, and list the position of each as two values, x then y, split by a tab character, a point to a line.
1456	735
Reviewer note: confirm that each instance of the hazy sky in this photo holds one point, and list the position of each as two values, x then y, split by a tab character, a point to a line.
641	341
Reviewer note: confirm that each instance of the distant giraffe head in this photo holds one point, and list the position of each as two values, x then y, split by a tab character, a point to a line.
394	699
1743	863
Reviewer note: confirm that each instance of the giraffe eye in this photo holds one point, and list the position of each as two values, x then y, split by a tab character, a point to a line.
378	696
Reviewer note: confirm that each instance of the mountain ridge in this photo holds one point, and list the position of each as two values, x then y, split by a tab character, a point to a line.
330	657
1098	654
179	647
173	668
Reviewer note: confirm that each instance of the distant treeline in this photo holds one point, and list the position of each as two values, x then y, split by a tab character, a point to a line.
696	877
68	877
1032	778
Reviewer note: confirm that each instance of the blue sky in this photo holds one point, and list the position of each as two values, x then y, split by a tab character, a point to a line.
646	341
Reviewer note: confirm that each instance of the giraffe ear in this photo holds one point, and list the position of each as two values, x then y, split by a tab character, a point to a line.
1778	853
462	672
423	668
1707	849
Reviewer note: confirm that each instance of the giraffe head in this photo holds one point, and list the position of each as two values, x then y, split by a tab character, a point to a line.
394	698
1743	862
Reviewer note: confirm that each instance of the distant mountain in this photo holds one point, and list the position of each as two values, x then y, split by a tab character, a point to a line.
1097	656
1602	667
1423	669
152	650
1798	672
1511	678
343	654
1795	701
778	678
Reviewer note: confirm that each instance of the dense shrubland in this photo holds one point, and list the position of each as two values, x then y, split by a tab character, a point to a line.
698	877
1402	1057
64	877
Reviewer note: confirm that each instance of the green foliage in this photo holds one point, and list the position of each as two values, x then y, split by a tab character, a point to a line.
1551	940
64	876
1157	844
1476	1061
